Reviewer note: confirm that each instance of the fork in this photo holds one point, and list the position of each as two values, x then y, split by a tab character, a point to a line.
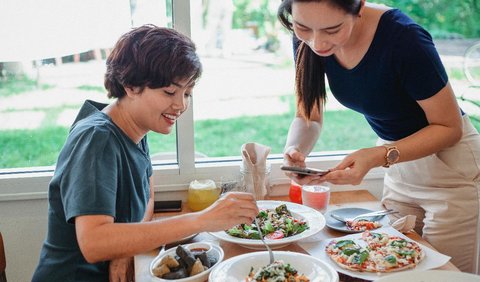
370	214
270	253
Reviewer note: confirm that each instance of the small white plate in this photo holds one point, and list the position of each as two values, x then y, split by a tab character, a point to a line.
314	219
214	250
350	213
237	268
430	276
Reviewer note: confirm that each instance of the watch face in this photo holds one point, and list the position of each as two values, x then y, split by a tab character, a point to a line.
393	155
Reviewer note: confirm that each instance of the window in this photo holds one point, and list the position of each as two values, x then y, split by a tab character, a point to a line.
52	58
245	93
55	65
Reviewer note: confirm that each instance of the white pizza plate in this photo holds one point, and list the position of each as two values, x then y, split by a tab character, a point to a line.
430	276
237	268
433	259
314	219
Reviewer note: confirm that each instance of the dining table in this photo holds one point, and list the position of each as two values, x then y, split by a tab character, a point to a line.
339	199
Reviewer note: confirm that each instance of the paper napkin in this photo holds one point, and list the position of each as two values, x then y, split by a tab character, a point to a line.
254	168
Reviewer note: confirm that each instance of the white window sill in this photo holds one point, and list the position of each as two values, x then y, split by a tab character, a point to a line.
33	183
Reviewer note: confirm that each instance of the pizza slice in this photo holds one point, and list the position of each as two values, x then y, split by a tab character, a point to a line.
362	225
375	240
337	247
392	253
406	252
349	255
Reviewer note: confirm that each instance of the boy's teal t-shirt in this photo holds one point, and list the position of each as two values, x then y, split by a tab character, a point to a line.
100	171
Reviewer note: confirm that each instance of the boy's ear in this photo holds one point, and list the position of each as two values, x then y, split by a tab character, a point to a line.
131	90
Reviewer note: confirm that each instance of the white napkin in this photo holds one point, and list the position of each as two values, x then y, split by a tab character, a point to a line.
254	167
405	224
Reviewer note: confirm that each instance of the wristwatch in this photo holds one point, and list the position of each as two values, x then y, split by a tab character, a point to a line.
391	156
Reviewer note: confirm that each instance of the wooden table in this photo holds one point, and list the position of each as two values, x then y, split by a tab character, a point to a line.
357	198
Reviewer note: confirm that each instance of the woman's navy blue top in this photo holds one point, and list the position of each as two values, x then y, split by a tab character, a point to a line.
401	67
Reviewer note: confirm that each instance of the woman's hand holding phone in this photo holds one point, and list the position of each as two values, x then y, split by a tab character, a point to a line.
305	175
294	166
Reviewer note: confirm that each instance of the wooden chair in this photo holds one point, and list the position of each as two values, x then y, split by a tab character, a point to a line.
3	261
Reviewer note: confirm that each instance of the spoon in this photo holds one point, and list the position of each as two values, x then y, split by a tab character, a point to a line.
365	215
270	253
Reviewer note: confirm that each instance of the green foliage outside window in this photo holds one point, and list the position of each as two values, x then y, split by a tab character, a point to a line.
443	18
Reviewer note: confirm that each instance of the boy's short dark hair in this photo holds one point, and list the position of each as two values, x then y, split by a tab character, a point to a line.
150	56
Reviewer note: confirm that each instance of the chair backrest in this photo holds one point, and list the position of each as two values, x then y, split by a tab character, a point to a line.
3	261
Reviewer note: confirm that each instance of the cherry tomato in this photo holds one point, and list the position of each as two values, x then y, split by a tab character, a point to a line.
275	235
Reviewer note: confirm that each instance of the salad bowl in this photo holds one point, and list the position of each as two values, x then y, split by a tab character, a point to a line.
314	220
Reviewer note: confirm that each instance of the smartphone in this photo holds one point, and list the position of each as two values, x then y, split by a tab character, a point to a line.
305	170
167	206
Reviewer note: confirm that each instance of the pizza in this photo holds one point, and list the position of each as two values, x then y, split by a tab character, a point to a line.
375	252
362	225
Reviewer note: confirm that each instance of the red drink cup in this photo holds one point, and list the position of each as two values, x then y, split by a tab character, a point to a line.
316	197
295	192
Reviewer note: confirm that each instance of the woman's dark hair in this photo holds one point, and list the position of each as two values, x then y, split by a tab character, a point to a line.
150	56
309	67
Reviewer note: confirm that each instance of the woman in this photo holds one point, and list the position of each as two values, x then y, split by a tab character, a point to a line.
101	189
385	66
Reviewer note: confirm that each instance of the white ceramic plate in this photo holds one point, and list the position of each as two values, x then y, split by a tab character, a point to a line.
349	213
237	268
215	251
432	260
314	219
430	276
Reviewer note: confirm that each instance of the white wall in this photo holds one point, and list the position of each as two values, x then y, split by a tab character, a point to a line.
23	224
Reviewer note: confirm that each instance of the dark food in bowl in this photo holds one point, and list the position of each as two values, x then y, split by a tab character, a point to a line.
185	263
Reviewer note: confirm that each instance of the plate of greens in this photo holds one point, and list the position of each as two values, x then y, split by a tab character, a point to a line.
255	267
281	223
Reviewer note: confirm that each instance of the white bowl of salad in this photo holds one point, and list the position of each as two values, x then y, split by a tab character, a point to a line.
288	265
282	223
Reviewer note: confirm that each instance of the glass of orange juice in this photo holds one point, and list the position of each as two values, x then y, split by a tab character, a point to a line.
201	194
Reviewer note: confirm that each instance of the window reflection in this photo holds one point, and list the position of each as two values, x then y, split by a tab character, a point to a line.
246	93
